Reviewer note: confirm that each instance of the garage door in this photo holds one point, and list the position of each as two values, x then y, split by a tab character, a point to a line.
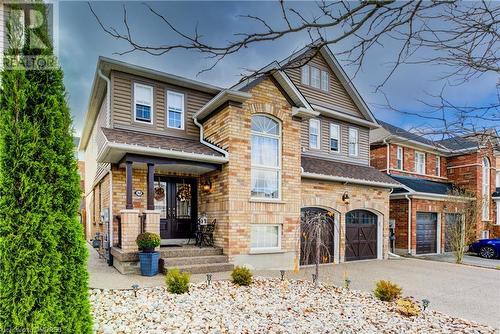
361	235
426	232
452	230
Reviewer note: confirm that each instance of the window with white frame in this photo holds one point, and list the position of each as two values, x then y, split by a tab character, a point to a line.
324	80
143	103
334	137
485	234
265	237
314	134
437	170
353	142
399	158
305	75
266	157
314	77
486	189
420	162
175	110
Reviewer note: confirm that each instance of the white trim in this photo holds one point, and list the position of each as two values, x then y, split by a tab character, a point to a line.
343	116
423	162
421	195
398	149
307	175
437	167
183	112
287	85
266	249
356	144
318	126
151	103
159	152
219	99
304	113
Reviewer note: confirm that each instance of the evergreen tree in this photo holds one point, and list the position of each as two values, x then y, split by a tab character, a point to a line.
43	277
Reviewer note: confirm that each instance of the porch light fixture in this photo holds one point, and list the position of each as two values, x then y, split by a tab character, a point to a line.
135	287
345	198
206	186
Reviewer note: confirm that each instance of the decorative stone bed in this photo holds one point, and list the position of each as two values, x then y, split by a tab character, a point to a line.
267	306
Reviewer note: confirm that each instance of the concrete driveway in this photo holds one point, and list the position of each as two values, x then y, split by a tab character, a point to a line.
469	259
463	291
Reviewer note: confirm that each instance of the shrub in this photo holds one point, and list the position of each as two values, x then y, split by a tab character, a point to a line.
148	241
407	308
387	291
241	276
177	282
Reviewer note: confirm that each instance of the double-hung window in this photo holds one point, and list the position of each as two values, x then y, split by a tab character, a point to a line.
438	166
175	110
334	137
143	103
324	80
420	162
266	157
314	77
353	142
305	75
314	134
265	237
399	157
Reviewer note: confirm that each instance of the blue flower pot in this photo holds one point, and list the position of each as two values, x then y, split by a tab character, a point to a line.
149	263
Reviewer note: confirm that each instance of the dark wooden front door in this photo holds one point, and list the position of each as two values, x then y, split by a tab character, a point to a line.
308	243
176	198
426	232
360	235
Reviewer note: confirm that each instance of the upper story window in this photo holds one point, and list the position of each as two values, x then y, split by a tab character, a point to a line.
314	134
175	110
266	157
437	169
420	162
334	137
143	103
399	157
314	77
353	142
486	189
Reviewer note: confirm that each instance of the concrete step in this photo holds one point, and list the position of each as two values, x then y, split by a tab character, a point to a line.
182	261
201	268
188	251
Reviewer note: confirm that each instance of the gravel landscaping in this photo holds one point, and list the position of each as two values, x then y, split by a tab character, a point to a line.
267	306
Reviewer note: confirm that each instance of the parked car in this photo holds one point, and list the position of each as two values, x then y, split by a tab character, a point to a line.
487	248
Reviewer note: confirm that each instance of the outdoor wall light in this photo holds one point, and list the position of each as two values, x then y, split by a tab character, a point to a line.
345	198
206	186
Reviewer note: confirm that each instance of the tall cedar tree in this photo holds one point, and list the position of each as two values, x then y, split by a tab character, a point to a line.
43	277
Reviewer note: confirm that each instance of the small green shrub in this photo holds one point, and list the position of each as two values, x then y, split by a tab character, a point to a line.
148	241
387	291
407	308
177	282
241	276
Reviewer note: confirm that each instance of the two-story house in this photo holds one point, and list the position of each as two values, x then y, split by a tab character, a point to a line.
162	150
423	210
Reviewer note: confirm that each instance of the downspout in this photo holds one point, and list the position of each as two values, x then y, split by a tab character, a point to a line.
409	224
204	142
388	161
108	94
391	253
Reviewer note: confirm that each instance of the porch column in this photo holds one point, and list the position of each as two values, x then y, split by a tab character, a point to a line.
128	170
151	189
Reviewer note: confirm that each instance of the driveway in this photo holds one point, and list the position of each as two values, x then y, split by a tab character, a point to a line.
467	292
469	259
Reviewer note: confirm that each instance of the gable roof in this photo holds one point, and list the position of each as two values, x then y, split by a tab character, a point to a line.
422	185
458	143
397	131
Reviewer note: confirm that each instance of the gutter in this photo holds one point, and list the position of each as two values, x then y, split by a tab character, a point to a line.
388	160
409	224
429	195
348	180
204	142
108	97
218	100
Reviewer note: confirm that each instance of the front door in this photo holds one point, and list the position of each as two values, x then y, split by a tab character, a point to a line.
426	232
361	235
176	198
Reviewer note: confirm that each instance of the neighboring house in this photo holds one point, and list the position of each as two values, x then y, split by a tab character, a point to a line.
422	209
163	150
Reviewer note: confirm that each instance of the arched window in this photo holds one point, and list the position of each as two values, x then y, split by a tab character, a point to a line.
266	157
486	189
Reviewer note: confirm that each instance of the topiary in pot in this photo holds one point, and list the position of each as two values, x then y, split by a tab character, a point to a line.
147	241
241	276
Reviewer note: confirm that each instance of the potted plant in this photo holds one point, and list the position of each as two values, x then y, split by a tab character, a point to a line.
148	258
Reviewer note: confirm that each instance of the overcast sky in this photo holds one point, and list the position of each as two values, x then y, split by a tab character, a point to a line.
81	41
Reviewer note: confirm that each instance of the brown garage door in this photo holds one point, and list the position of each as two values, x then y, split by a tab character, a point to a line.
361	235
426	232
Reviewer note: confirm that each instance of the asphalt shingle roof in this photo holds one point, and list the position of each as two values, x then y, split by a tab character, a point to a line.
422	185
394	130
457	143
347	170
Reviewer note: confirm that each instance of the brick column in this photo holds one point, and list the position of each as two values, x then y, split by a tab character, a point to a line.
130	223
152	222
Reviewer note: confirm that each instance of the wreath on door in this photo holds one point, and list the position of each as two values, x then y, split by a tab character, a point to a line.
159	193
184	193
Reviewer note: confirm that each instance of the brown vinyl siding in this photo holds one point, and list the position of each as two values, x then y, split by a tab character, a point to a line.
336	97
123	106
343	154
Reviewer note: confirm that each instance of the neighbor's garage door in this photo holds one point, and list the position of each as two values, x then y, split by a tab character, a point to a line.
426	232
360	235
